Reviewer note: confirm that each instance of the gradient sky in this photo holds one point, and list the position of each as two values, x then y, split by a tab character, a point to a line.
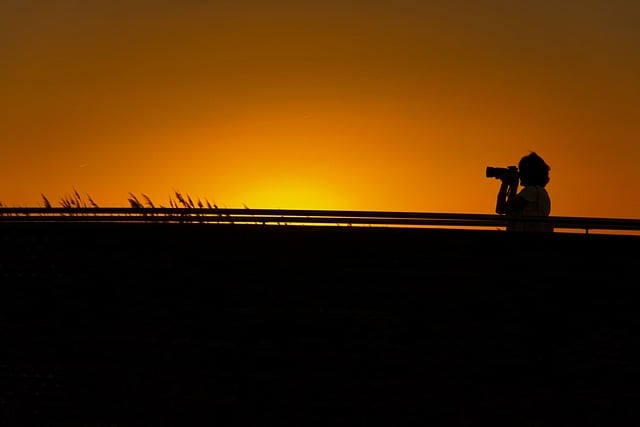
352	104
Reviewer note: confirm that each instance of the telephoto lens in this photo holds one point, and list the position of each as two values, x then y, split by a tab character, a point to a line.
498	173
495	172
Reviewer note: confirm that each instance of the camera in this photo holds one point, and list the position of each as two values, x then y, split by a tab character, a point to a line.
498	173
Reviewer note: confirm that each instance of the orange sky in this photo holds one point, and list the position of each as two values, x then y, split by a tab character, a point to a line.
353	104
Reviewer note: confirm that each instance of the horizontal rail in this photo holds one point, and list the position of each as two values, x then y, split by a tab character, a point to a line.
304	216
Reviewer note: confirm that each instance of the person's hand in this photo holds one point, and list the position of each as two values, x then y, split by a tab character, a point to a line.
509	179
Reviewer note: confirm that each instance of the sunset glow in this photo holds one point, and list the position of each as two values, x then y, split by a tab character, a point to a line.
395	106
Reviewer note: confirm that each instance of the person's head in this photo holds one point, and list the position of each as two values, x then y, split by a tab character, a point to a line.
533	170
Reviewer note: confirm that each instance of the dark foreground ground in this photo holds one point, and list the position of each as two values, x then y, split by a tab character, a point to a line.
119	324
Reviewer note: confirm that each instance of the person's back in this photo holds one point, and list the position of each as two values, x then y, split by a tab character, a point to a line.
538	205
532	201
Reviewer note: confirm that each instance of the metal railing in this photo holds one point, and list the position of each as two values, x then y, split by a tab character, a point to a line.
308	217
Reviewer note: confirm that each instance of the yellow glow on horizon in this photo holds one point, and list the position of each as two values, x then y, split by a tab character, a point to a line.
293	193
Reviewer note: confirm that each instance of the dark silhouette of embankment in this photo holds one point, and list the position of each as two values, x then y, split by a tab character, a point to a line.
172	323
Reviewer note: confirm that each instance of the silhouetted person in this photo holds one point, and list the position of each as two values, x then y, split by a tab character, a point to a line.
532	201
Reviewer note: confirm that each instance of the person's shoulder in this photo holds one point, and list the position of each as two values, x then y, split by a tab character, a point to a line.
529	193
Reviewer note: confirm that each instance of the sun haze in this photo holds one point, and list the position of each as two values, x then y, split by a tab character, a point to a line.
395	106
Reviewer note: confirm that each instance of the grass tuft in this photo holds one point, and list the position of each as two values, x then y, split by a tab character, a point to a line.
47	204
73	201
148	200
93	204
134	203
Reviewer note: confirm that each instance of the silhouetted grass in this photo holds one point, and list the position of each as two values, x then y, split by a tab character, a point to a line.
134	203
148	200
184	203
46	201
187	202
73	201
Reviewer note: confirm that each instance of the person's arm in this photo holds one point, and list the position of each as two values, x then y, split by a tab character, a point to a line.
508	200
